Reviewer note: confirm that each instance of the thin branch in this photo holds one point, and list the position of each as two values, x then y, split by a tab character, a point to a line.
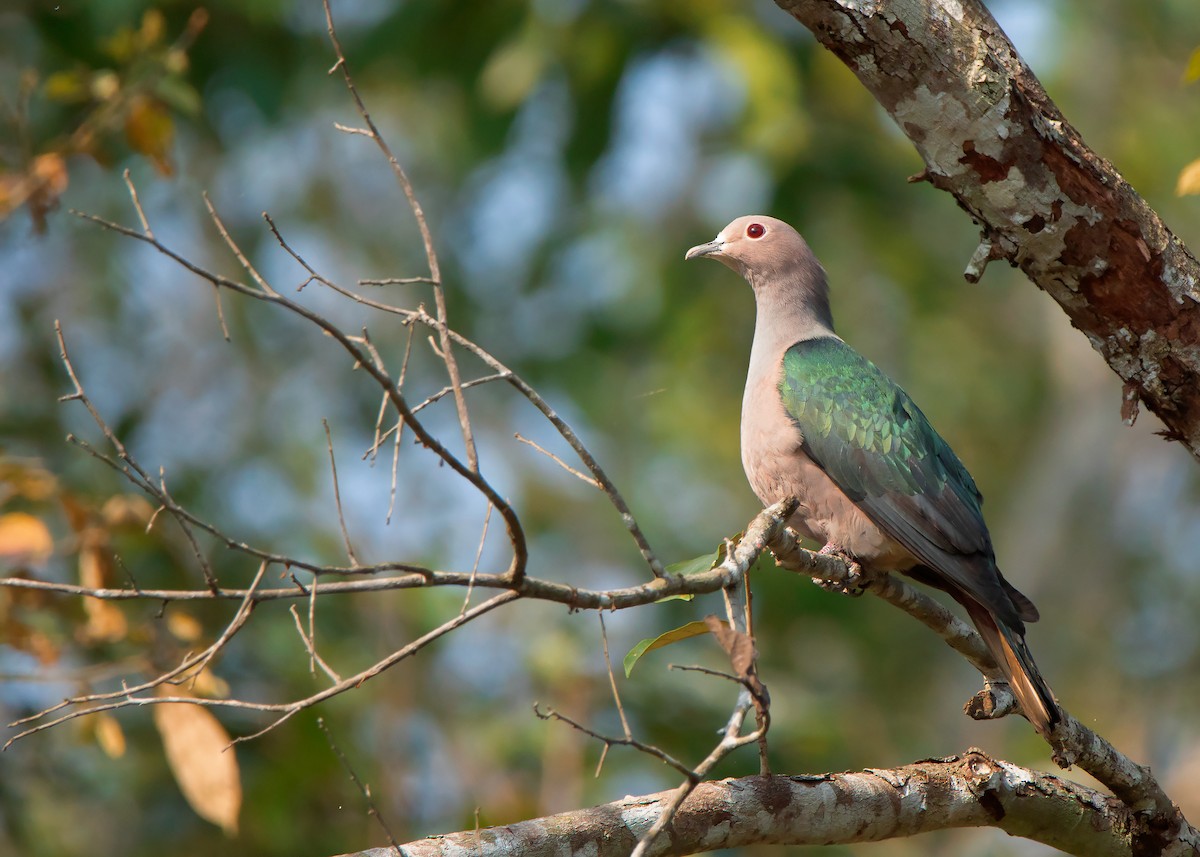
568	434
397	281
284	710
610	741
363	788
190	665
337	497
612	678
512	524
760	530
588	479
435	275
309	647
1072	742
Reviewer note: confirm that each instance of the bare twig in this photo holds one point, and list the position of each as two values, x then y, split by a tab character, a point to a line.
610	741
612	679
363	788
309	645
568	434
337	496
588	479
508	514
435	275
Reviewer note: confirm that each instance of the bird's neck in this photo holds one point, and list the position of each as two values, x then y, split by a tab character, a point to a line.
790	309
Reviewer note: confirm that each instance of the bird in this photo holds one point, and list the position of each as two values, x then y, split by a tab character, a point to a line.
876	484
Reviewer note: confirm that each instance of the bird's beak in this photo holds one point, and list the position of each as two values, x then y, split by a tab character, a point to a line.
712	247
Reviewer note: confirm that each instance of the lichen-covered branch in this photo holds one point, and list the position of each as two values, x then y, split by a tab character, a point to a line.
968	790
989	135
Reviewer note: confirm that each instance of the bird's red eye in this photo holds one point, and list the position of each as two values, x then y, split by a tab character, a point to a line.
756	230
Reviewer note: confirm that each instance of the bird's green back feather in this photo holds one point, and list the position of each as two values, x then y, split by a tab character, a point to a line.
867	434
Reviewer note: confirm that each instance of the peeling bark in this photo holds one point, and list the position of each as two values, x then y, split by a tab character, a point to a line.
968	790
990	136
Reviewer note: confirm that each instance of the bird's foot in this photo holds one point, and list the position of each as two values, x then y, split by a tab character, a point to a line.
855	582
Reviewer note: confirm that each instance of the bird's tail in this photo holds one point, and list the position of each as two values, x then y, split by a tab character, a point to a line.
1015	661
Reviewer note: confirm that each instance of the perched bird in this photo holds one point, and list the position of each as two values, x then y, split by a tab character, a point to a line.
875	482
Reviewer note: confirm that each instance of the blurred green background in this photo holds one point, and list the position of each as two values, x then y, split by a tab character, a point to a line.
567	153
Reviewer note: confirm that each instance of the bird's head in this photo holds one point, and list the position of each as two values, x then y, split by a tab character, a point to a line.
756	245
775	260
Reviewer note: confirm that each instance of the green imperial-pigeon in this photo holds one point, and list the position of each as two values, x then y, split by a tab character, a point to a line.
875	482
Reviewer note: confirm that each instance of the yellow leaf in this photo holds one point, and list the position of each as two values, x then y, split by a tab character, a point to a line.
209	684
153	27
1189	179
24	538
109	736
126	510
66	86
184	627
149	130
203	763
25	477
105	621
1192	73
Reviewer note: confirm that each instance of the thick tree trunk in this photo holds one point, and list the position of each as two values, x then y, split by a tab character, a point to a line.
991	136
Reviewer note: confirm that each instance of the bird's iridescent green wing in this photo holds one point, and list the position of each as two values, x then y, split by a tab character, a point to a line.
876	445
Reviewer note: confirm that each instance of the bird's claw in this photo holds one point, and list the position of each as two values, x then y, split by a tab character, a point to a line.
855	582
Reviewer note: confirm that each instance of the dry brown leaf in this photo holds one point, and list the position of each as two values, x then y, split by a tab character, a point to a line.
21	636
110	736
184	627
209	684
24	538
126	510
203	763
25	477
105	621
1189	179
150	131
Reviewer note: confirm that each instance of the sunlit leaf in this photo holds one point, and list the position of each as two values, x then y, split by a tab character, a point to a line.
1192	73
208	684
179	94
513	70
1189	179
24	538
684	632
106	622
154	26
126	510
105	85
184	627
201	760
26	478
27	639
150	130
109	736
67	86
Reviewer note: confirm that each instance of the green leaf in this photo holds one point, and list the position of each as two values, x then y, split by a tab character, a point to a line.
696	565
684	632
179	94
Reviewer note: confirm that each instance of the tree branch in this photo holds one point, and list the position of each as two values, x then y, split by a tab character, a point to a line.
968	790
990	136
